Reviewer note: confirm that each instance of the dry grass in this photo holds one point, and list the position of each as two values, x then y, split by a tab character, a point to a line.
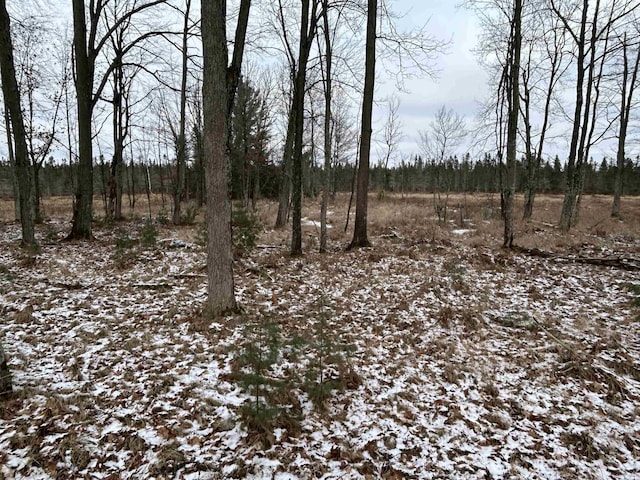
407	218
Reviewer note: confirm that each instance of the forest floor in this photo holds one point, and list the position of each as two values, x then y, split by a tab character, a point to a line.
432	354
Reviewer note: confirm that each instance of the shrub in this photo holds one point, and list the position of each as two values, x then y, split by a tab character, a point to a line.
272	390
124	241
162	217
125	254
148	234
328	360
263	412
246	228
188	215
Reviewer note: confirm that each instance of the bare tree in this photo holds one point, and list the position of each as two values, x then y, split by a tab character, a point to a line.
628	83
284	191
541	71
327	83
180	137
12	101
512	77
41	103
308	28
88	45
391	137
409	51
589	26
446	133
360	237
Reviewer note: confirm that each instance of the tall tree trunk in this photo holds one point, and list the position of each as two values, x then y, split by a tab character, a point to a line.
326	174
234	70
532	161
577	157
215	95
284	191
181	143
216	107
360	238
12	101
625	110
298	114
307	32
82	212
119	132
12	162
512	127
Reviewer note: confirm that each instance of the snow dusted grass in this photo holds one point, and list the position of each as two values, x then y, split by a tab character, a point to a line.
474	362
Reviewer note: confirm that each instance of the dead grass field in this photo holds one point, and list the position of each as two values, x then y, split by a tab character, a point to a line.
414	218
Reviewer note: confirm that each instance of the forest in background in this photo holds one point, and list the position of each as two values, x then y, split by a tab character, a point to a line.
415	176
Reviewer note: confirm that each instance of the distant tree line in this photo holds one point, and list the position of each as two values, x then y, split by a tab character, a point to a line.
252	180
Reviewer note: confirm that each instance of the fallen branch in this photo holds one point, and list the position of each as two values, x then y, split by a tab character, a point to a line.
154	286
629	264
584	365
182	276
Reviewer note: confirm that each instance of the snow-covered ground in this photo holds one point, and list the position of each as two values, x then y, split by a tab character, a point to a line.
473	363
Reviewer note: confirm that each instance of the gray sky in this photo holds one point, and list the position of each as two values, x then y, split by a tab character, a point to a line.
461	82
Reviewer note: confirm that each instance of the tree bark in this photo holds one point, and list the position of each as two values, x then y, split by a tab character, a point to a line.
326	174
307	31
512	127
216	103
12	101
360	238
82	211
625	110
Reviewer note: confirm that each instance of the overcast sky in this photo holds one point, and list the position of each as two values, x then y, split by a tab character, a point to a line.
461	82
